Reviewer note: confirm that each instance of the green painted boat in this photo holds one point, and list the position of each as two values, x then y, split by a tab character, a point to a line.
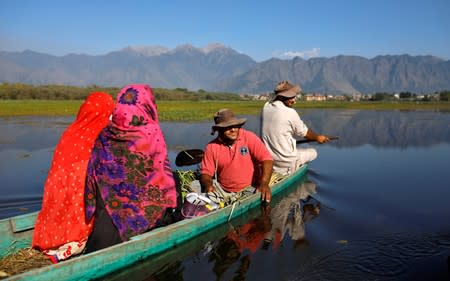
17	232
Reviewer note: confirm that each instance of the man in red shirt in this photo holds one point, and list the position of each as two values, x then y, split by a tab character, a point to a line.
237	159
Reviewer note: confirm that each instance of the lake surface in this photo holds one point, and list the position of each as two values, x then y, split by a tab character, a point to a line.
375	205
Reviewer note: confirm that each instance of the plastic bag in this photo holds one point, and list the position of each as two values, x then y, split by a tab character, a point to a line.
197	205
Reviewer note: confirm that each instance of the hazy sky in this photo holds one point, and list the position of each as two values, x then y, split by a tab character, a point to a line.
260	29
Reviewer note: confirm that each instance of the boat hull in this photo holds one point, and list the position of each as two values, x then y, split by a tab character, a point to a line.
106	261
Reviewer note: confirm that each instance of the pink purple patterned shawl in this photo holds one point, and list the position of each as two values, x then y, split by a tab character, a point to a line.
130	167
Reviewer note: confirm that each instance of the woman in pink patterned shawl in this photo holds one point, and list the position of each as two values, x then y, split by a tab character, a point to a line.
129	185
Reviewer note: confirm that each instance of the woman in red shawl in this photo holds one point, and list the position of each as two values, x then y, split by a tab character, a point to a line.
61	229
129	184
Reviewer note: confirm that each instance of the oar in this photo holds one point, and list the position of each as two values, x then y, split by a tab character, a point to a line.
189	157
307	140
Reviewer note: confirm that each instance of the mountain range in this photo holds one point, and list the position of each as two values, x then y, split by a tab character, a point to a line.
219	68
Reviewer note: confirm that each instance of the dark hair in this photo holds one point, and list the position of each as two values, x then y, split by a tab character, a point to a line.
282	98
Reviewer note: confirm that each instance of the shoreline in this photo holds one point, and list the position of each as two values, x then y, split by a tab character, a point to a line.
203	110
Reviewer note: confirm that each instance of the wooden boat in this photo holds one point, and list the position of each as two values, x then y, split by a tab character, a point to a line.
17	231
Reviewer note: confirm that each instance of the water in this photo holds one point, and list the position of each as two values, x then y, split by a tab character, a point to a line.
374	205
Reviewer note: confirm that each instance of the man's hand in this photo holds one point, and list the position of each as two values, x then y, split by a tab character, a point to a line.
311	135
210	189
206	182
322	139
266	193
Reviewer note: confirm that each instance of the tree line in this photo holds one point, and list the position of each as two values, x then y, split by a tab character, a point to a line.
19	91
442	96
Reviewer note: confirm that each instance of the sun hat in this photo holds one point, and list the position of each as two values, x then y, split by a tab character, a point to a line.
286	89
225	118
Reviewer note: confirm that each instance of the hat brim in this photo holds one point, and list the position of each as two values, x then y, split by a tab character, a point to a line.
233	122
292	92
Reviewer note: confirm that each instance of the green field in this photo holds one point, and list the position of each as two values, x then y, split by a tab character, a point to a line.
203	110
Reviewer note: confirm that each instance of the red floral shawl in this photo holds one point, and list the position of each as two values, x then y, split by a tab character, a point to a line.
130	167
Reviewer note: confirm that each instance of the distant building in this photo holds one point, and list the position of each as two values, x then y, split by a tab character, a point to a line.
356	97
262	97
314	97
254	96
340	98
367	97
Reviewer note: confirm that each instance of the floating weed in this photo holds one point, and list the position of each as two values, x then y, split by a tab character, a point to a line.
7	141
24	155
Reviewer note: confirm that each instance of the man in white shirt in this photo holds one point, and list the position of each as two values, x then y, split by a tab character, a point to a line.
280	125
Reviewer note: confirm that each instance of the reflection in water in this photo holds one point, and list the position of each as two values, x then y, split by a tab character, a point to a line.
292	212
377	178
32	132
288	216
382	128
354	128
173	272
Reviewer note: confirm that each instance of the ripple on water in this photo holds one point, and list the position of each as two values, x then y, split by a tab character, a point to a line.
388	257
